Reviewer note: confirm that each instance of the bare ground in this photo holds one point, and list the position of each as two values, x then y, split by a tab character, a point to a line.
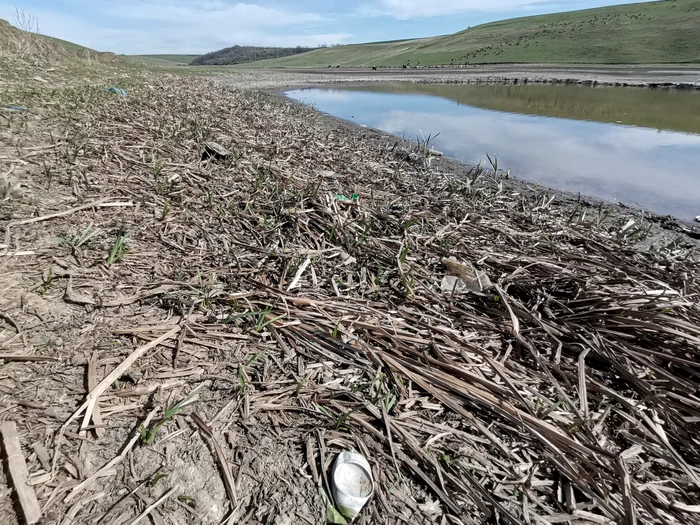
566	392
670	76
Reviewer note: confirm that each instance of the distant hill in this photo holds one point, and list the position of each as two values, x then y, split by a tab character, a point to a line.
163	60
241	54
666	31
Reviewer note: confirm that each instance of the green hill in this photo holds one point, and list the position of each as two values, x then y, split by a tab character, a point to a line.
241	54
163	60
70	47
666	31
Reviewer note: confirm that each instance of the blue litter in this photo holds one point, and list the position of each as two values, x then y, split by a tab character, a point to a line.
117	91
17	108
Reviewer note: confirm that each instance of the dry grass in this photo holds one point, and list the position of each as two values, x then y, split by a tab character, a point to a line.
566	393
30	61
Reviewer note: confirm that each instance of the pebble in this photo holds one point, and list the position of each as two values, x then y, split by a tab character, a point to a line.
11	188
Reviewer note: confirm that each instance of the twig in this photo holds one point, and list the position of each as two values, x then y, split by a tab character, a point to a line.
107	469
229	482
299	274
583	395
93	396
27	358
153	507
43	218
627	498
91	383
10	320
19	473
91	399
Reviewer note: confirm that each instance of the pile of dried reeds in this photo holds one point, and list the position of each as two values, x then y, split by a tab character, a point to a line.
562	389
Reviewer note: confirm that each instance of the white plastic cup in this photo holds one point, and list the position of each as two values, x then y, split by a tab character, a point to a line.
352	483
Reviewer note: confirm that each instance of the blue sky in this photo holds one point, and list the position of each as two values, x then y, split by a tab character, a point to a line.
199	26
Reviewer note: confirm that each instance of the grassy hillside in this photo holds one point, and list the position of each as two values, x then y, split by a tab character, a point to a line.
241	54
37	62
16	42
70	47
653	32
163	60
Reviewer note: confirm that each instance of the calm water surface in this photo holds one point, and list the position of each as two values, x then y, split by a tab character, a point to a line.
636	146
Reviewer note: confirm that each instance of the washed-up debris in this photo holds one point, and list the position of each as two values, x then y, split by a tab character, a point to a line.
464	278
330	174
215	150
117	91
18	473
697	219
333	515
566	395
352	483
354	199
17	108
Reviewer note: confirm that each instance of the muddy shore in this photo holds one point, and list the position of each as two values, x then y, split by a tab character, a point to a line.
662	77
496	353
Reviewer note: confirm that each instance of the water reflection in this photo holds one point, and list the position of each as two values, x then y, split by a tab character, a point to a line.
660	109
657	170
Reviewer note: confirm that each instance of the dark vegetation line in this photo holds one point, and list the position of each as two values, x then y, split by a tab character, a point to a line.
241	54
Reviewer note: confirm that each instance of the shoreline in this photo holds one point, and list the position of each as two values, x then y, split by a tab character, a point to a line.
651	77
460	169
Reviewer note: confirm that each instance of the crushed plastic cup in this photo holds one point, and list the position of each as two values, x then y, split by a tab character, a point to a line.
352	483
348	200
117	91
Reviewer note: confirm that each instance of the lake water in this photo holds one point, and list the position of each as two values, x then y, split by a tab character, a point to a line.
637	146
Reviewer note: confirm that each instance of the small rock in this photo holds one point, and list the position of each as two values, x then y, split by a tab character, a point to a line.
36	305
215	150
78	360
10	188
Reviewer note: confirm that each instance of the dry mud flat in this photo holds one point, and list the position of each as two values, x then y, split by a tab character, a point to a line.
663	77
229	324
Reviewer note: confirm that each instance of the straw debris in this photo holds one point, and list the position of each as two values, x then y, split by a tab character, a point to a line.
562	388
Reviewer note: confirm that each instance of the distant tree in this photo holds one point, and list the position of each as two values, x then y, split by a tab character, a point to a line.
241	54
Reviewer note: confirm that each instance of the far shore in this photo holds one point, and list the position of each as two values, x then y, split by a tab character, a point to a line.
672	76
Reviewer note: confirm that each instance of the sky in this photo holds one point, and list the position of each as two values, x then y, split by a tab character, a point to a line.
200	26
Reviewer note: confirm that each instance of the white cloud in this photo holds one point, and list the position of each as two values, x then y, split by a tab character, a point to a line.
407	9
179	26
211	13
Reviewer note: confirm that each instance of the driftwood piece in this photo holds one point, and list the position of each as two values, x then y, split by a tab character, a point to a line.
19	474
92	383
26	358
